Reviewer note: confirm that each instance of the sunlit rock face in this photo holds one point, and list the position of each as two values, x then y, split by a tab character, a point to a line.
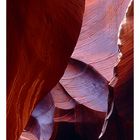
85	85
84	94
97	43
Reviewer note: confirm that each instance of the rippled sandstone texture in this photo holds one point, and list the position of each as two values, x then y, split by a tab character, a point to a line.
81	96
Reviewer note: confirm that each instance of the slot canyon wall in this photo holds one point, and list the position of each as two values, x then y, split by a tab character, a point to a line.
67	76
